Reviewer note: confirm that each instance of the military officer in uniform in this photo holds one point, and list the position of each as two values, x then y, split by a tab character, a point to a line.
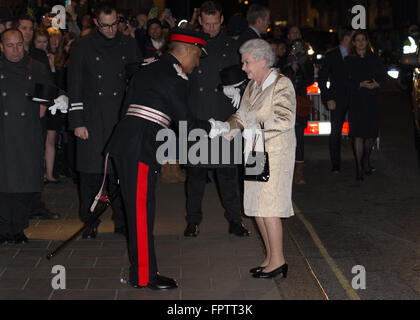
96	85
21	140
156	97
207	101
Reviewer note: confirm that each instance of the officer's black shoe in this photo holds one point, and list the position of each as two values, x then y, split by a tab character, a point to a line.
238	229
157	283
45	215
191	230
162	283
20	238
121	230
90	233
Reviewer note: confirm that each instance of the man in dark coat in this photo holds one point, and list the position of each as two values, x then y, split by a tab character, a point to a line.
337	95
258	17
156	97
206	101
96	87
21	140
25	25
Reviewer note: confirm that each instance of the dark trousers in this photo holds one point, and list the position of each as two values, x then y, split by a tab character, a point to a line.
228	189
300	126
338	117
138	189
37	206
90	183
14	212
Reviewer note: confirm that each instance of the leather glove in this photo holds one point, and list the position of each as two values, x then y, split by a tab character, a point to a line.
61	103
218	128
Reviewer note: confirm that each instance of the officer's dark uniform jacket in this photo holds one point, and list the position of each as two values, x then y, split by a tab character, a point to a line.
21	139
96	87
206	99
157	86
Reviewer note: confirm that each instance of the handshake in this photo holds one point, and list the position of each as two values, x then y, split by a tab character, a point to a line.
218	128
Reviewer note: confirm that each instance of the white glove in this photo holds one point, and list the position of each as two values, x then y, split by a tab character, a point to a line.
234	94
218	128
249	132
61	103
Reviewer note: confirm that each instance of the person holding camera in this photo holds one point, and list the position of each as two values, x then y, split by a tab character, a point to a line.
300	70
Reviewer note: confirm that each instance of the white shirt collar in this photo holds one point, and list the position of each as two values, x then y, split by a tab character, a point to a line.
269	80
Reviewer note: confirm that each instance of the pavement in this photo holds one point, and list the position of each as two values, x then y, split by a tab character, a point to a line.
213	266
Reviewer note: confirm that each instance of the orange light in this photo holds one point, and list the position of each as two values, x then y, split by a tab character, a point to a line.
313	89
268	29
246	2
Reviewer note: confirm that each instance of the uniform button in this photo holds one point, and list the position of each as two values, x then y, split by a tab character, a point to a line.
215	90
100	76
26	94
115	93
4	94
29	78
123	57
97	59
224	55
23	114
200	72
201	89
227	44
120	75
100	93
1	76
6	113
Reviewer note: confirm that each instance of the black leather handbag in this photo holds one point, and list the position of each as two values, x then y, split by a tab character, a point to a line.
257	167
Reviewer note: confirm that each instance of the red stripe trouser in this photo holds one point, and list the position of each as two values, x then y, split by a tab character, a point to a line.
138	185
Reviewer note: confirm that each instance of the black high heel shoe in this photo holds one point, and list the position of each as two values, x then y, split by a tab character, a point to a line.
268	275
256	269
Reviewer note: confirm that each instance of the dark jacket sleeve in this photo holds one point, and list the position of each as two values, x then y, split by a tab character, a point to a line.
177	99
75	87
324	74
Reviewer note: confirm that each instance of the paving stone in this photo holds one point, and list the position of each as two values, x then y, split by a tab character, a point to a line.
147	294
112	262
17	294
12	283
212	295
84	295
77	273
46	284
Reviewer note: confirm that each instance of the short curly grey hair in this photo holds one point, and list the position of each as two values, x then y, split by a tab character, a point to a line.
260	50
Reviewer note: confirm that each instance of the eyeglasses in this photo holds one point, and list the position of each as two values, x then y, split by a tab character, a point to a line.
109	26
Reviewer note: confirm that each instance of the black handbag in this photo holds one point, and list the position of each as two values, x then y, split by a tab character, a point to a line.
257	167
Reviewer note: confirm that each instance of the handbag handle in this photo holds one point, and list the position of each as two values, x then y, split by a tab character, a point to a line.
263	137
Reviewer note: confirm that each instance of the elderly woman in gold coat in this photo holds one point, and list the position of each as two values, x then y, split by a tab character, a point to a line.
269	99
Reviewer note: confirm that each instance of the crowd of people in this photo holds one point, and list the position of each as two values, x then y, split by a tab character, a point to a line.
119	77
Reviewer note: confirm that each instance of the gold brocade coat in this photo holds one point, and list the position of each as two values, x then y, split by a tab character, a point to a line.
274	104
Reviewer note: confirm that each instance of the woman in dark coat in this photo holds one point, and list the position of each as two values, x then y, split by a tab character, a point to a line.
366	75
